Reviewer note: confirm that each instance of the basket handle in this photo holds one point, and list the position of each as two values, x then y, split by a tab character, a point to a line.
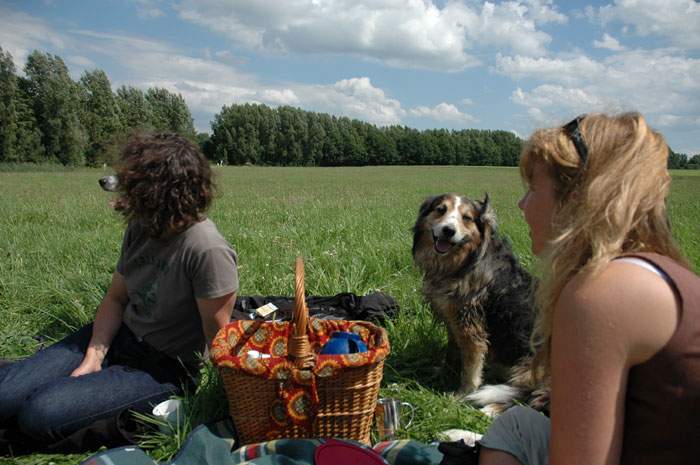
299	347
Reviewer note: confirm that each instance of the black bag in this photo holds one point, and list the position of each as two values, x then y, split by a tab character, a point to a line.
459	453
375	307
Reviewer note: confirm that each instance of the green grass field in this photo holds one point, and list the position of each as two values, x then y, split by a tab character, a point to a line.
59	242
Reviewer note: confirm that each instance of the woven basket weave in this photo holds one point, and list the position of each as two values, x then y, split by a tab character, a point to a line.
336	395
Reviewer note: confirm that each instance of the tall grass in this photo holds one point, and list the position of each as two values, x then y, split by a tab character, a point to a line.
59	242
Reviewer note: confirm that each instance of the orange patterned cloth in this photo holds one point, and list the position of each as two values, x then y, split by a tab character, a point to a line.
296	400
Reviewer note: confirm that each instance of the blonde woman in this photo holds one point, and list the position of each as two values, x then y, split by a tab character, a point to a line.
619	323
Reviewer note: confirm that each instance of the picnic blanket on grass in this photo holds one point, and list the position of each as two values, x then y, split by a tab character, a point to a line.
214	444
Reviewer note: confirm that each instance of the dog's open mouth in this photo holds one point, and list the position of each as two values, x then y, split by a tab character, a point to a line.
442	246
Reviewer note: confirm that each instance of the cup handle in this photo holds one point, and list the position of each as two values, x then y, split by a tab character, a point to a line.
413	411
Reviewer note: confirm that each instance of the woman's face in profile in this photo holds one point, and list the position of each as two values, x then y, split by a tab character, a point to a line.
538	205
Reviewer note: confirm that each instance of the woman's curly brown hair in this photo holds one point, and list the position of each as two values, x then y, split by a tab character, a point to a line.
165	183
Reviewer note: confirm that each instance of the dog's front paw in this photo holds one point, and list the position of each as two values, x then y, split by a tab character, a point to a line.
469	437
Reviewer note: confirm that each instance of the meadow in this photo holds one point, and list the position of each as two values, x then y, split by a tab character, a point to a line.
59	242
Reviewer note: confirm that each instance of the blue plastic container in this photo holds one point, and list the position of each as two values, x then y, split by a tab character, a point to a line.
343	342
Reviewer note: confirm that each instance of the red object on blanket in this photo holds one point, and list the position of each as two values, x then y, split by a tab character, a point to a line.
335	452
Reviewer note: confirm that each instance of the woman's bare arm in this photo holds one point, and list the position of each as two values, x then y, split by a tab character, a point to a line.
107	322
602	327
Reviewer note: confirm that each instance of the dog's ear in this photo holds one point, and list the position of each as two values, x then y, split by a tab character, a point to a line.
487	217
425	207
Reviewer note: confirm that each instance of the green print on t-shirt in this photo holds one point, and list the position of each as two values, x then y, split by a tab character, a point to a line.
145	298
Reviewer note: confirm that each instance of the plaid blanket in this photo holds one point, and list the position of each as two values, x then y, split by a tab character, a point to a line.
214	444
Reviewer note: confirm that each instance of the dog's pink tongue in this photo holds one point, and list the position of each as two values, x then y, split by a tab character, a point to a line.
442	245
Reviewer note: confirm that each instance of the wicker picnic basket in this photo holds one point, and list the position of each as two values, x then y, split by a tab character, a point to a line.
296	392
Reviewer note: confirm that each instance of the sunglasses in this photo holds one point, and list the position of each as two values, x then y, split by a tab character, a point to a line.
572	130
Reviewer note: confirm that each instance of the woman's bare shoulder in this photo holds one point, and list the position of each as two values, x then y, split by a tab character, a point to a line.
634	303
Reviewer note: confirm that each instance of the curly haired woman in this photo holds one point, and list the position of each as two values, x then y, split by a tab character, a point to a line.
174	286
618	328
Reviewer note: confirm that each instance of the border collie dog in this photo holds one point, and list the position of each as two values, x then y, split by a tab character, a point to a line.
475	285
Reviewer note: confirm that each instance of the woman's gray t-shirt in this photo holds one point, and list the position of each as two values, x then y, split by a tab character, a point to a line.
163	279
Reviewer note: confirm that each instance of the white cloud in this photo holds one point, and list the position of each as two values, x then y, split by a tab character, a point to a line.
442	112
677	20
207	84
148	9
409	33
661	84
668	120
81	62
20	34
568	70
355	98
544	11
608	42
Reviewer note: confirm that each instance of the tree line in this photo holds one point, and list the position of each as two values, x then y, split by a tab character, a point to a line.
258	134
46	116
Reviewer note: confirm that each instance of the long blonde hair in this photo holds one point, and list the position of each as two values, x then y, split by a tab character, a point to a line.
612	203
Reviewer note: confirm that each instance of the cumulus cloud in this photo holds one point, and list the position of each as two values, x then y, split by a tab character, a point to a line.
668	120
410	33
608	42
442	112
661	84
568	70
676	20
355	98
148	9
207	83
21	33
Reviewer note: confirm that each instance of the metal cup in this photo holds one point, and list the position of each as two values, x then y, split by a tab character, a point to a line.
388	417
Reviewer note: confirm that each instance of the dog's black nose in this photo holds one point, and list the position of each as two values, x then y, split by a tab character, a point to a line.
448	231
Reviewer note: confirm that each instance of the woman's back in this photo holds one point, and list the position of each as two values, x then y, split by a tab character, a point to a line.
662	407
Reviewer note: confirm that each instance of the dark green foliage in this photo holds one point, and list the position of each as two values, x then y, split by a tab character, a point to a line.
134	110
286	136
46	117
55	100
170	112
676	160
20	139
694	163
100	116
8	110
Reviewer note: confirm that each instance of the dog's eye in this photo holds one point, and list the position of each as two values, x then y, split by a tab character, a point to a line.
467	218
441	209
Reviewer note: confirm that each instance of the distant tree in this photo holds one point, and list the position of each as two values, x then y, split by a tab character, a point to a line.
676	160
290	136
135	112
694	163
101	117
381	149
170	112
55	100
28	141
205	145
293	133
314	143
9	124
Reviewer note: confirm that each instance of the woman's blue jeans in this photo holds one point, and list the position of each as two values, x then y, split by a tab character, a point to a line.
49	405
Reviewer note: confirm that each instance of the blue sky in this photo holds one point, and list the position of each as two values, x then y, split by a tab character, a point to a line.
514	65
